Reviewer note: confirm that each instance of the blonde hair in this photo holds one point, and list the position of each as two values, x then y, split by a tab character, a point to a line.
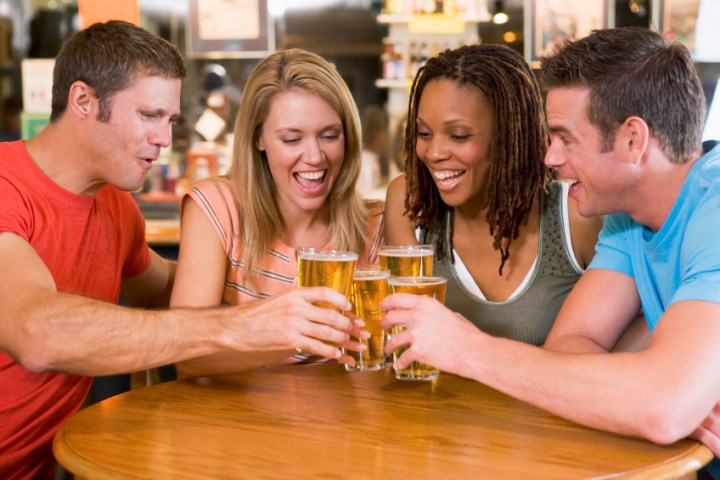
250	175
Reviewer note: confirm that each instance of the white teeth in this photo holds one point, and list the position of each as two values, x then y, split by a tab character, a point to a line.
444	175
311	175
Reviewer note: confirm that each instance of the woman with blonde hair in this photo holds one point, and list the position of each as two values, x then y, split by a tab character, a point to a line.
296	160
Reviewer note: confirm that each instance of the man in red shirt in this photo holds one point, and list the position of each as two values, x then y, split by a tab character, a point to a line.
72	243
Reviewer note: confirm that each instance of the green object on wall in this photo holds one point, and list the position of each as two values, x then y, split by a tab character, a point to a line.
32	123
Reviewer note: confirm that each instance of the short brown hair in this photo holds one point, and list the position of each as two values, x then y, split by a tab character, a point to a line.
109	57
634	71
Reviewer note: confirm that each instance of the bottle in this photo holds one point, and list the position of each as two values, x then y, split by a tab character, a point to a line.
388	60
202	169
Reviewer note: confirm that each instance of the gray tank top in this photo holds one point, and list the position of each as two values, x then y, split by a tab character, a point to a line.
531	312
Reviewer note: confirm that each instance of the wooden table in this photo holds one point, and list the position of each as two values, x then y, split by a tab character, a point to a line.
318	421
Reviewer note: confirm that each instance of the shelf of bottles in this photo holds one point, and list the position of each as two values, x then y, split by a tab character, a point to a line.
420	29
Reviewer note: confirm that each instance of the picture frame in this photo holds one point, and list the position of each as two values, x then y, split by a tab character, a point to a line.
218	29
549	22
677	22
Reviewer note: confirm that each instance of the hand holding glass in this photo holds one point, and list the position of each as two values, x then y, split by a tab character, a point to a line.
326	268
431	287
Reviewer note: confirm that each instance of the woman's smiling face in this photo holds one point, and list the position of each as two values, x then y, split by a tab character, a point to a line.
454	134
303	139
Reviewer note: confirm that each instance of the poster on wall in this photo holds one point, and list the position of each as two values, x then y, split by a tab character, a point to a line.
551	22
229	29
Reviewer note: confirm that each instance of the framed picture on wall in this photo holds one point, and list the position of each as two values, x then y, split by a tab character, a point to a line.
552	21
678	21
229	29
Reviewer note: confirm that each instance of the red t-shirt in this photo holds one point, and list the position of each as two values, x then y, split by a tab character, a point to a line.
88	243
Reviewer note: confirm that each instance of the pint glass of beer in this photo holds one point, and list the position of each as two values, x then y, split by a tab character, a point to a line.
407	260
326	268
429	286
368	290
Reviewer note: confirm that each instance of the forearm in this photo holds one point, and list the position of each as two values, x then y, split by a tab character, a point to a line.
626	393
87	337
573	343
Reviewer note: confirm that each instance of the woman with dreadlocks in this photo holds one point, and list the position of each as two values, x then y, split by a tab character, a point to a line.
506	237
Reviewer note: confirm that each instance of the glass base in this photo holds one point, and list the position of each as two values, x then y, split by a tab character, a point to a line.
411	376
365	367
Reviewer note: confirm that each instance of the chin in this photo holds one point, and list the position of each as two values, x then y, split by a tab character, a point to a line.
453	199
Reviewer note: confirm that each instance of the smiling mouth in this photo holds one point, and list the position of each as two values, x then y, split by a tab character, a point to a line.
447	178
311	176
311	182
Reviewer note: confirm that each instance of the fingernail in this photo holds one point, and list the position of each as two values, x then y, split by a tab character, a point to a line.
359	323
365	334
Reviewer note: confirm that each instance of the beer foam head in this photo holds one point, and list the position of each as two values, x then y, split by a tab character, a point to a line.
416	281
326	255
406	250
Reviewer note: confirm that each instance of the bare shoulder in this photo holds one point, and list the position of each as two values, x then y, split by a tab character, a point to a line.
396	192
399	228
584	233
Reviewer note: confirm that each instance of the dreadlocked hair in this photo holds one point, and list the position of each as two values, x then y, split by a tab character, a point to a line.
520	140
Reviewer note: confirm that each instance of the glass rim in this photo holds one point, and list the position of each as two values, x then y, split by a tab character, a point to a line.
312	253
407	248
416	280
370	272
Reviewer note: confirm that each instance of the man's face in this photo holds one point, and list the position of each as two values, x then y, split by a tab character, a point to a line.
598	180
139	125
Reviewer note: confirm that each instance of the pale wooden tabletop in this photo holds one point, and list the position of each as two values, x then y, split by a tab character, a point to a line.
318	421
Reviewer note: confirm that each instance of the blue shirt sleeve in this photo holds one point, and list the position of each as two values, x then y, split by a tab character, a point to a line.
612	251
700	253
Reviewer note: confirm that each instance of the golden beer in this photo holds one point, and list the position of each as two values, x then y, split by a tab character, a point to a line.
326	268
368	290
430	287
407	260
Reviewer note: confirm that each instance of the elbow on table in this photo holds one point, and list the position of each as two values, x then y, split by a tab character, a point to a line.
669	424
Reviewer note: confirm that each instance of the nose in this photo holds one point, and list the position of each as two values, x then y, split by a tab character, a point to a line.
313	152
435	149
161	136
553	157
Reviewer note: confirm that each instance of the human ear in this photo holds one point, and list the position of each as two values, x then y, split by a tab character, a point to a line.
81	99
634	138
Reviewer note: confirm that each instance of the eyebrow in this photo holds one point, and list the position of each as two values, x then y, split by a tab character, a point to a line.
448	123
332	126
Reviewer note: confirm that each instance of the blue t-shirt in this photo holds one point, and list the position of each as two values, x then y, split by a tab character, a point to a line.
682	260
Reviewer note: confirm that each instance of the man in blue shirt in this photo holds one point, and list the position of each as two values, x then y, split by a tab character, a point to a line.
625	108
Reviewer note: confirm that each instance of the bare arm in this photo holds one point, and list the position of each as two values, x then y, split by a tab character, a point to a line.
43	329
200	281
583	327
399	229
661	393
151	288
584	235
